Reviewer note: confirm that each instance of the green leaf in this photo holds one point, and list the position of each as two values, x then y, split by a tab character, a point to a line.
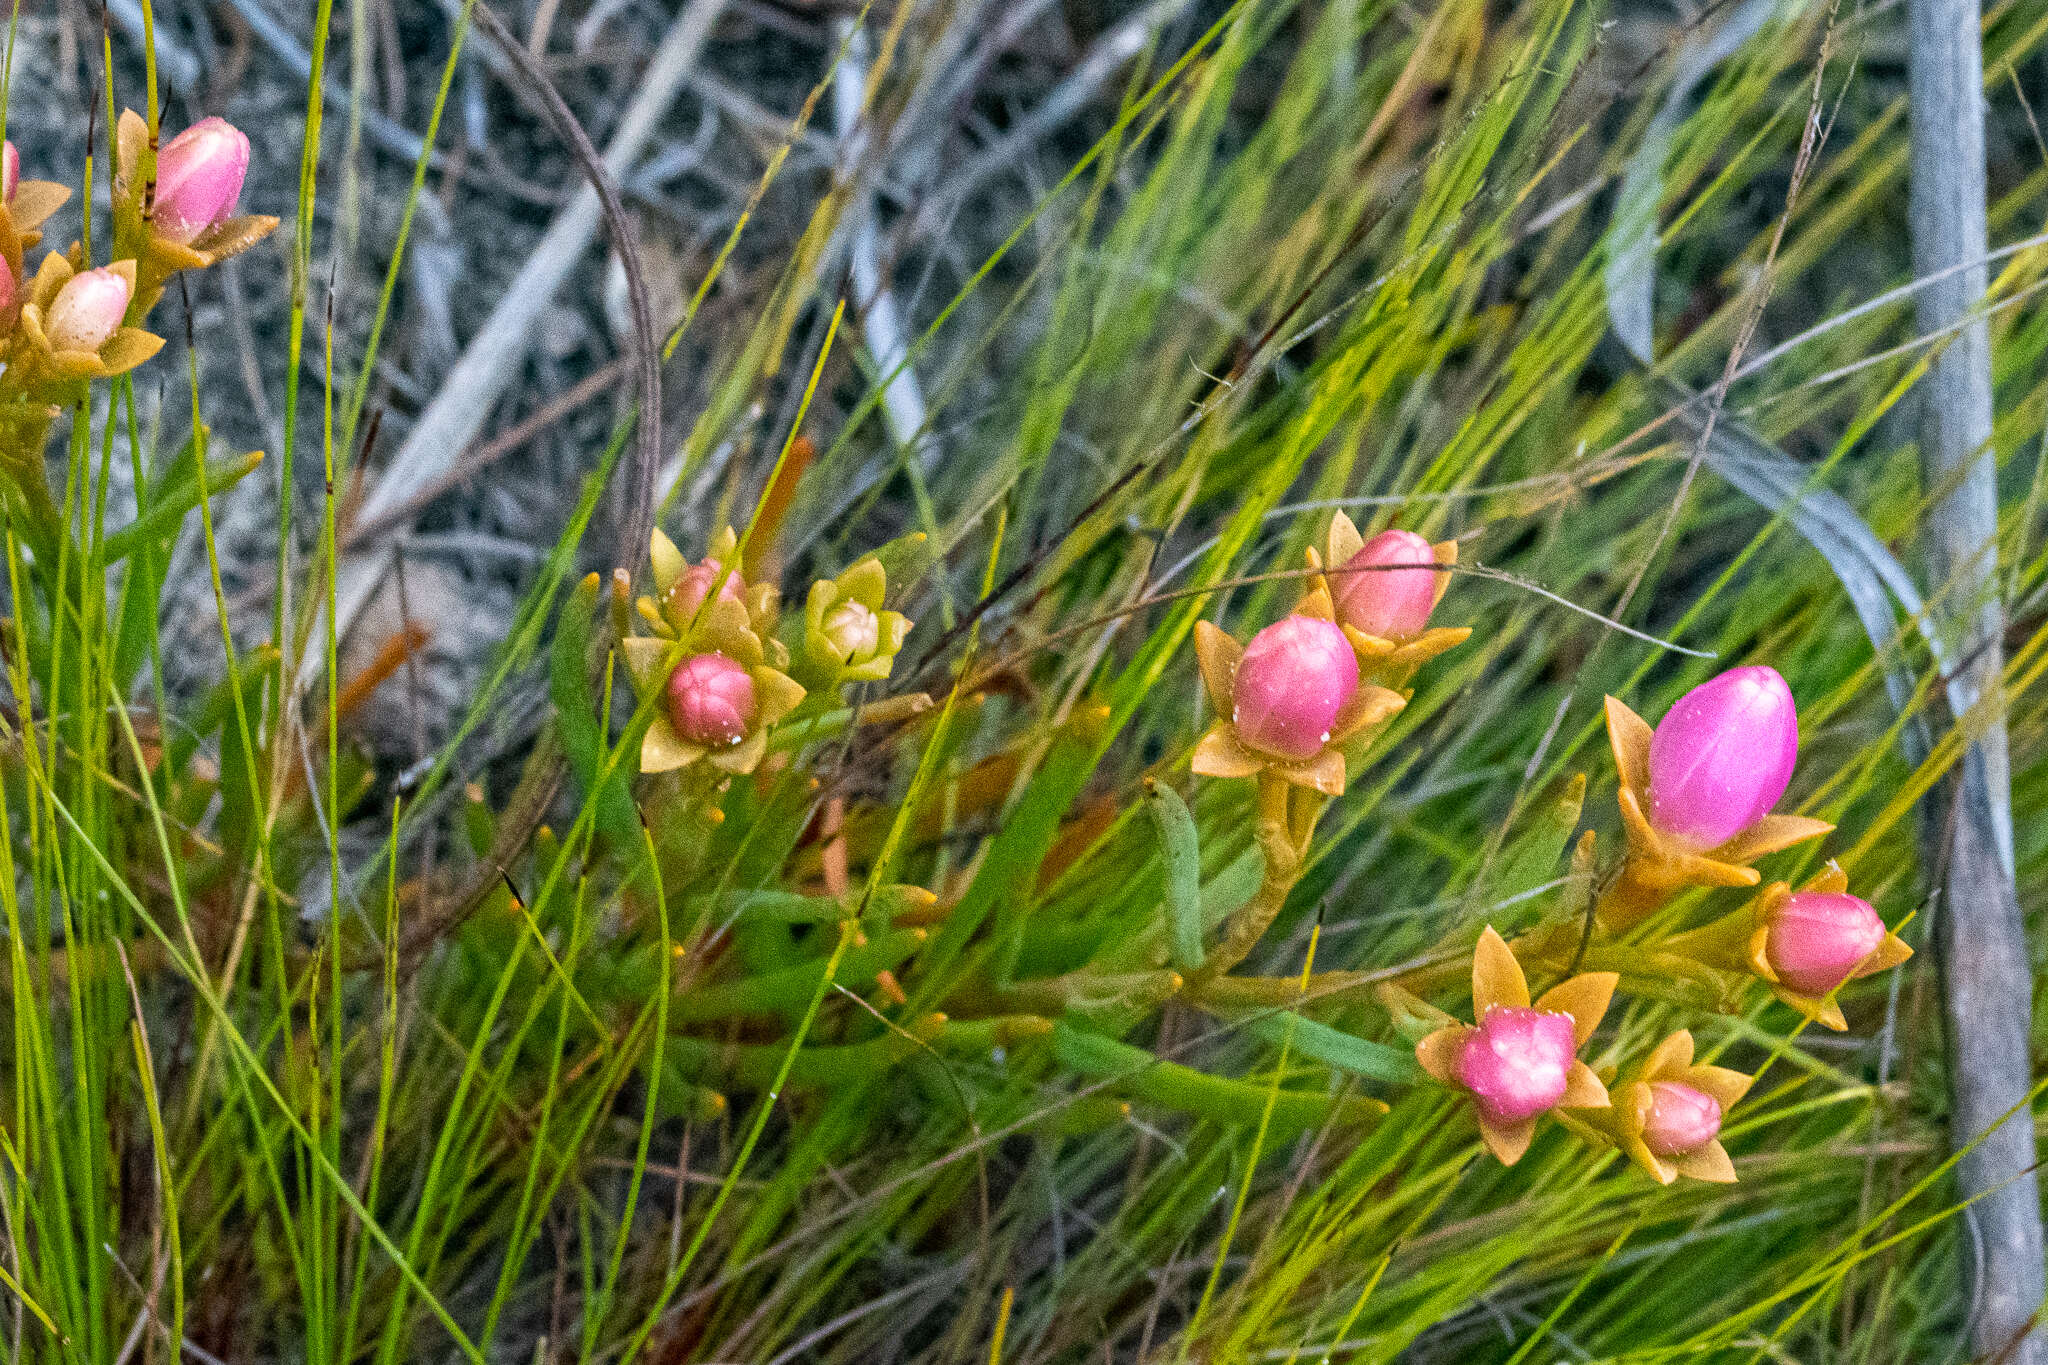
1334	1047
1180	848
789	907
790	987
1174	1086
1222	894
169	505
1532	855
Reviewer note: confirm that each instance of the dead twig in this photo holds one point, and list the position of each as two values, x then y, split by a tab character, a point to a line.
1979	937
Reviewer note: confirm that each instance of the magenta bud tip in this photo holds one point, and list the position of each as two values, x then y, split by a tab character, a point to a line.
1722	756
1817	939
1295	679
199	176
87	311
1517	1062
1393	604
711	701
686	596
1682	1119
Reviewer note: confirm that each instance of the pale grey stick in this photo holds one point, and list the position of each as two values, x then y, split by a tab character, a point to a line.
1979	936
1108	55
466	396
903	406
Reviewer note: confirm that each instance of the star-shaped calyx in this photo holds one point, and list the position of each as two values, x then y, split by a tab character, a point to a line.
1519	1061
1696	793
1667	1115
1287	702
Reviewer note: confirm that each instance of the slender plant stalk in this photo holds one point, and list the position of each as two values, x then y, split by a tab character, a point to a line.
1286	824
1979	936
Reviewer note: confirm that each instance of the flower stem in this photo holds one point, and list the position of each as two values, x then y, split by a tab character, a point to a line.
1631	897
1286	826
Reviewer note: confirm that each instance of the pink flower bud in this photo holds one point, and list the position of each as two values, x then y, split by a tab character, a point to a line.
198	178
853	631
86	311
1297	675
10	171
1681	1120
711	701
10	290
1722	755
1817	938
686	596
1517	1061
1393	604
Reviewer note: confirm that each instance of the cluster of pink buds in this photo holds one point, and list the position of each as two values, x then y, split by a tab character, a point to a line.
1697	799
1696	802
1519	1061
1313	685
723	676
71	321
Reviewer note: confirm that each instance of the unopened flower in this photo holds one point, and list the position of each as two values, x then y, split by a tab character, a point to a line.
1808	944
848	636
851	631
1519	1061
1805	945
686	596
681	588
189	222
1383	590
711	700
87	310
1287	702
1722	756
1293	681
199	177
1813	941
1682	1118
71	321
1667	1116
717	705
1696	794
10	170
1516	1062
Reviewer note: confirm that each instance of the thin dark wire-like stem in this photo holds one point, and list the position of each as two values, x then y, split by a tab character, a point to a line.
1979	937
